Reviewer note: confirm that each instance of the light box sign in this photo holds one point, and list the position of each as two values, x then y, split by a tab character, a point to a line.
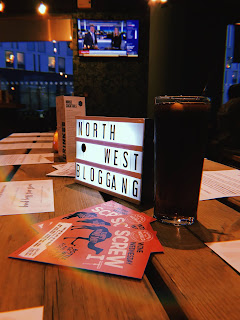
110	155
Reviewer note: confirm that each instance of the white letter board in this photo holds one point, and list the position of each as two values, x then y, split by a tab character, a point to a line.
110	155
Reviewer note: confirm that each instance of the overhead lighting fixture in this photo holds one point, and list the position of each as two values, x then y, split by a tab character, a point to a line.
2	6
158	1
42	8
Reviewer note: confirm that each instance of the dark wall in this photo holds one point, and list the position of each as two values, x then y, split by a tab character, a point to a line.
114	86
188	58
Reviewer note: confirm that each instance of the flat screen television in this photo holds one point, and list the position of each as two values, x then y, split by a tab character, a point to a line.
108	38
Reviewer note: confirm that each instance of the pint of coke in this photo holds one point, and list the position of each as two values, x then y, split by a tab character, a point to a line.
180	136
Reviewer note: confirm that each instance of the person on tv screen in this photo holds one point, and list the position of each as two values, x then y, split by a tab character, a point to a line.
90	39
116	39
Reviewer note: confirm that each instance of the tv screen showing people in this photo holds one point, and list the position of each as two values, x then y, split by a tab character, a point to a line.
108	38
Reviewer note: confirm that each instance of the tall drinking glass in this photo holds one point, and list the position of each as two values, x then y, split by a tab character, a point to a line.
180	136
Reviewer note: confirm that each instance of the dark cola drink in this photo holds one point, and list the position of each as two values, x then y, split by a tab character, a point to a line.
180	136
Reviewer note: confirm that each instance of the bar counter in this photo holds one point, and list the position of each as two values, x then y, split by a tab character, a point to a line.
187	281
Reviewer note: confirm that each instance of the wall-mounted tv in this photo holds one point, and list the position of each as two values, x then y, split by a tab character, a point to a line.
108	38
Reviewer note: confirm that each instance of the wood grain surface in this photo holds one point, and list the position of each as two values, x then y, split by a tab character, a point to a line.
204	285
198	281
66	293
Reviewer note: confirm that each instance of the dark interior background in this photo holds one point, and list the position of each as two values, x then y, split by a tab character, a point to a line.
114	86
181	51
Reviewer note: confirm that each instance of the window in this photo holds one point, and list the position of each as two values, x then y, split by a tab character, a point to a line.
39	63
20	60
31	46
69	50
61	64
51	64
34	63
58	47
41	46
9	58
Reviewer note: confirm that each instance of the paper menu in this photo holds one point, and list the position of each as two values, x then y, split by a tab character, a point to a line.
62	165
63	170
21	197
25	139
23	314
34	134
27	145
219	184
19	159
228	251
107	238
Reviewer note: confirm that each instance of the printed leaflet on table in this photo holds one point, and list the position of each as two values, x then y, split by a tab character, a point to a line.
23	314
220	184
20	197
32	158
63	170
25	139
106	238
29	134
227	250
26	145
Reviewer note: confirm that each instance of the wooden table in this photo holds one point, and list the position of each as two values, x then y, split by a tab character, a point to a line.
188	281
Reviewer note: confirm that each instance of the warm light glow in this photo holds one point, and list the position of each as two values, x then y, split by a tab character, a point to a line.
2	6
10	58
159	1
42	9
55	141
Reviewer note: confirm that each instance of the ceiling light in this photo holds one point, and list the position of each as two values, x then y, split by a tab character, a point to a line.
158	1
42	8
2	6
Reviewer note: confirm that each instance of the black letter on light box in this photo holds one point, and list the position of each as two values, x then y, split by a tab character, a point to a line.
78	170
136	155
124	156
108	180
124	185
115	157
112	132
135	189
95	130
104	126
107	155
92	174
80	128
99	176
87	129
114	182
